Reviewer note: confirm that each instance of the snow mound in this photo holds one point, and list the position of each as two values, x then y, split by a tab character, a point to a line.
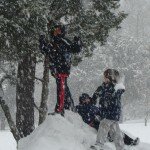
60	133
65	133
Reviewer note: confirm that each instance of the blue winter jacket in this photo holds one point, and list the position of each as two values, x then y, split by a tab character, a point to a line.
59	51
109	101
87	112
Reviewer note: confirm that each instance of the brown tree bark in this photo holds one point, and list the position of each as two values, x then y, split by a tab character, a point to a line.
25	94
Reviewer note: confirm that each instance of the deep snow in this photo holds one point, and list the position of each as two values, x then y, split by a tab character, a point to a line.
71	133
7	141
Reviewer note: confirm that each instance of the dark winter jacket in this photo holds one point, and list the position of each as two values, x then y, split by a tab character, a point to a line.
88	112
59	51
109	101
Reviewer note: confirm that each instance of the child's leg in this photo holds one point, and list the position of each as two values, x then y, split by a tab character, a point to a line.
128	140
60	94
111	134
69	103
118	137
103	131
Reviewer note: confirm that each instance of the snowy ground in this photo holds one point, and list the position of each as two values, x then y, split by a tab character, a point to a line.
6	141
70	133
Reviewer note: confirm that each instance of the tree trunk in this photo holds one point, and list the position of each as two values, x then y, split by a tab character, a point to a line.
11	123
44	96
3	122
25	94
147	117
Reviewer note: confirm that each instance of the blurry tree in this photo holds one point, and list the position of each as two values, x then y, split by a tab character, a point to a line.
21	22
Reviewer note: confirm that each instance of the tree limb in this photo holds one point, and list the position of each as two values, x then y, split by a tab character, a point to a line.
7	113
10	121
38	108
38	79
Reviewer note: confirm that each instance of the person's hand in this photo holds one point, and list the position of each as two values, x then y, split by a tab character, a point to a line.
76	38
42	37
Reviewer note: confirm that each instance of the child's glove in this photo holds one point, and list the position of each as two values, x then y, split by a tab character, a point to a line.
77	40
41	38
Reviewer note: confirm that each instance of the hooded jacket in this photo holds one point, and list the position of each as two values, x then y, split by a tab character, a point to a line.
60	51
109	101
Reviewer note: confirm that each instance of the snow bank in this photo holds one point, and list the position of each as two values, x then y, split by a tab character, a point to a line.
68	133
60	133
7	142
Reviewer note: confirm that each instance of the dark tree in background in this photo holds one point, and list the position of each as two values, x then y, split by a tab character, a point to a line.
92	23
25	94
21	22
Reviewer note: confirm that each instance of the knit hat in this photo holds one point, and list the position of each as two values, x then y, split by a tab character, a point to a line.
56	28
112	75
83	97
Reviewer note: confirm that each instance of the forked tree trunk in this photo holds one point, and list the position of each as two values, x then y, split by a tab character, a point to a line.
25	94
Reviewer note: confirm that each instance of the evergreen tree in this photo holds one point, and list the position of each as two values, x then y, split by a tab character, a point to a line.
22	21
92	24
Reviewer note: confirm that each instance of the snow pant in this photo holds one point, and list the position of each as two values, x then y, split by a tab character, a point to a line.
126	138
64	99
110	125
69	103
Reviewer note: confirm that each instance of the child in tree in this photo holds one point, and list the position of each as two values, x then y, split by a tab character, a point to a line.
60	50
109	94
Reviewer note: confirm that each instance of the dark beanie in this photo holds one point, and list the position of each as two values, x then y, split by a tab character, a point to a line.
83	97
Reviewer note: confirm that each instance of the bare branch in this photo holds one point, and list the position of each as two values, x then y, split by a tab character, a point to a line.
38	108
10	121
39	79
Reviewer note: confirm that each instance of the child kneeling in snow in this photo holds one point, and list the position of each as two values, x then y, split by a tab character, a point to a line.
109	94
91	115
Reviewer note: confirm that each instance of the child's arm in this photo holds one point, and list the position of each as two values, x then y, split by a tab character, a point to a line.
76	46
44	46
96	95
119	90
